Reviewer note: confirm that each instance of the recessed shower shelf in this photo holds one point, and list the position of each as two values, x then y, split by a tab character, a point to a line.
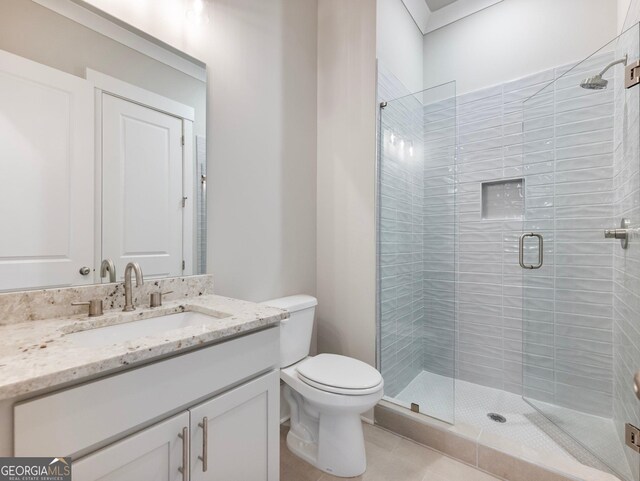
503	199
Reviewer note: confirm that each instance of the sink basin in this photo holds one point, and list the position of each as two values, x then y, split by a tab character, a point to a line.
130	331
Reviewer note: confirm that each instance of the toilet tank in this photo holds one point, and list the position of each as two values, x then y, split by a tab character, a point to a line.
295	332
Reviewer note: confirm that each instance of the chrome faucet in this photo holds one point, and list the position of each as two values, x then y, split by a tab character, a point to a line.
108	266
128	297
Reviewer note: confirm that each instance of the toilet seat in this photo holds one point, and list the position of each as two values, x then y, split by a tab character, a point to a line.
339	374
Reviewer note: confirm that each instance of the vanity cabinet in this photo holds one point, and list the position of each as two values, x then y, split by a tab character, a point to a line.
154	454
235	436
149	423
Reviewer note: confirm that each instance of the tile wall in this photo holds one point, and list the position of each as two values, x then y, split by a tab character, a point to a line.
400	236
440	234
626	266
565	157
568	332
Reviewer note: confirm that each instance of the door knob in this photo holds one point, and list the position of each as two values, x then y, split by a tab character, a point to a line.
85	271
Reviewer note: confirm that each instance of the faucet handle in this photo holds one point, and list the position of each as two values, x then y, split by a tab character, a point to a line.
155	298
108	266
95	306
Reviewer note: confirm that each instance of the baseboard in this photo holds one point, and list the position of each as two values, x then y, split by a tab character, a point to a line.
367	420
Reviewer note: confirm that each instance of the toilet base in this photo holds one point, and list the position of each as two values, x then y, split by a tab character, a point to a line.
340	449
326	430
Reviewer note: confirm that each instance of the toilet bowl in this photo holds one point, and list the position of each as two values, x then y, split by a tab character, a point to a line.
326	394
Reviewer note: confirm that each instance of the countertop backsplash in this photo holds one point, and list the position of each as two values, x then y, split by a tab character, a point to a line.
33	305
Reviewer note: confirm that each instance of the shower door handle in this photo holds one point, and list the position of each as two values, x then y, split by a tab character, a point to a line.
540	251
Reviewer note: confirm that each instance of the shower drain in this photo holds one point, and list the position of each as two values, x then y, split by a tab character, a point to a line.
499	418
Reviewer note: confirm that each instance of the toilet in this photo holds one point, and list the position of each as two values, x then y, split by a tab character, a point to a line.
326	393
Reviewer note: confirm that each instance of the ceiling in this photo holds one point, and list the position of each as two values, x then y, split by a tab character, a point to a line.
430	15
438	4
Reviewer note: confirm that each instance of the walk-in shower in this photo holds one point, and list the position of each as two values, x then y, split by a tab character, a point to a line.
502	305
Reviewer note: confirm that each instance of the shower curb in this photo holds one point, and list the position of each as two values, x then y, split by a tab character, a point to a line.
505	460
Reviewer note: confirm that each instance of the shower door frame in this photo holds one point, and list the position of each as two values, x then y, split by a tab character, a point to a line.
378	208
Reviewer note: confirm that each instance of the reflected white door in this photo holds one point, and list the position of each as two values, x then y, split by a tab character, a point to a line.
142	208
46	175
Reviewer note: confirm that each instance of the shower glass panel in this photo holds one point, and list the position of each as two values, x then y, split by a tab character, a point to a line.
417	250
581	307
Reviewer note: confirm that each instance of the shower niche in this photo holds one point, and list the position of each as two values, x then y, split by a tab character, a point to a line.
503	199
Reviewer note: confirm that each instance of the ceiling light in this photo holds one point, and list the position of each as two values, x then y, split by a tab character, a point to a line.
197	13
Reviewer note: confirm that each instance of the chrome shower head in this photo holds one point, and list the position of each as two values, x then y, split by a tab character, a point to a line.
597	82
594	83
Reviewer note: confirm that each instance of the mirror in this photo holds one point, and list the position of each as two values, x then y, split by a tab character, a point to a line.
103	158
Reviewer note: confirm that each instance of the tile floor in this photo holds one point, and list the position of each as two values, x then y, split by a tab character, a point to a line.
525	424
390	458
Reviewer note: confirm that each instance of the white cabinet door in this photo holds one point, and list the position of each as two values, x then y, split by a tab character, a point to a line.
142	208
242	427
46	175
154	454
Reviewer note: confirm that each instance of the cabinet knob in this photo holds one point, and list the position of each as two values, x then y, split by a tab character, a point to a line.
85	271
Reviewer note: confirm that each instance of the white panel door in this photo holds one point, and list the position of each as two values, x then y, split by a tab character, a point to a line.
154	454
243	433
46	175
142	207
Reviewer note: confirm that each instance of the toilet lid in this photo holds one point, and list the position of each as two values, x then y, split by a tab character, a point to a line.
333	371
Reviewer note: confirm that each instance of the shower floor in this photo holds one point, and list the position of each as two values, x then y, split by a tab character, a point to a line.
435	395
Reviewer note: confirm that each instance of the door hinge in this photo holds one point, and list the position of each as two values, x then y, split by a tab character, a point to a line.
632	437
182	140
184	201
184	265
632	74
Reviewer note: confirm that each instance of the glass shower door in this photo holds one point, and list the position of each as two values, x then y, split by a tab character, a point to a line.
416	251
581	291
626	261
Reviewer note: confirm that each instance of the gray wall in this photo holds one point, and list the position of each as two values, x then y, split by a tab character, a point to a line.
346	178
515	38
399	43
262	160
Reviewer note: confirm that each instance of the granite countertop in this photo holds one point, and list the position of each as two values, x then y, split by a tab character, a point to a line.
41	354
